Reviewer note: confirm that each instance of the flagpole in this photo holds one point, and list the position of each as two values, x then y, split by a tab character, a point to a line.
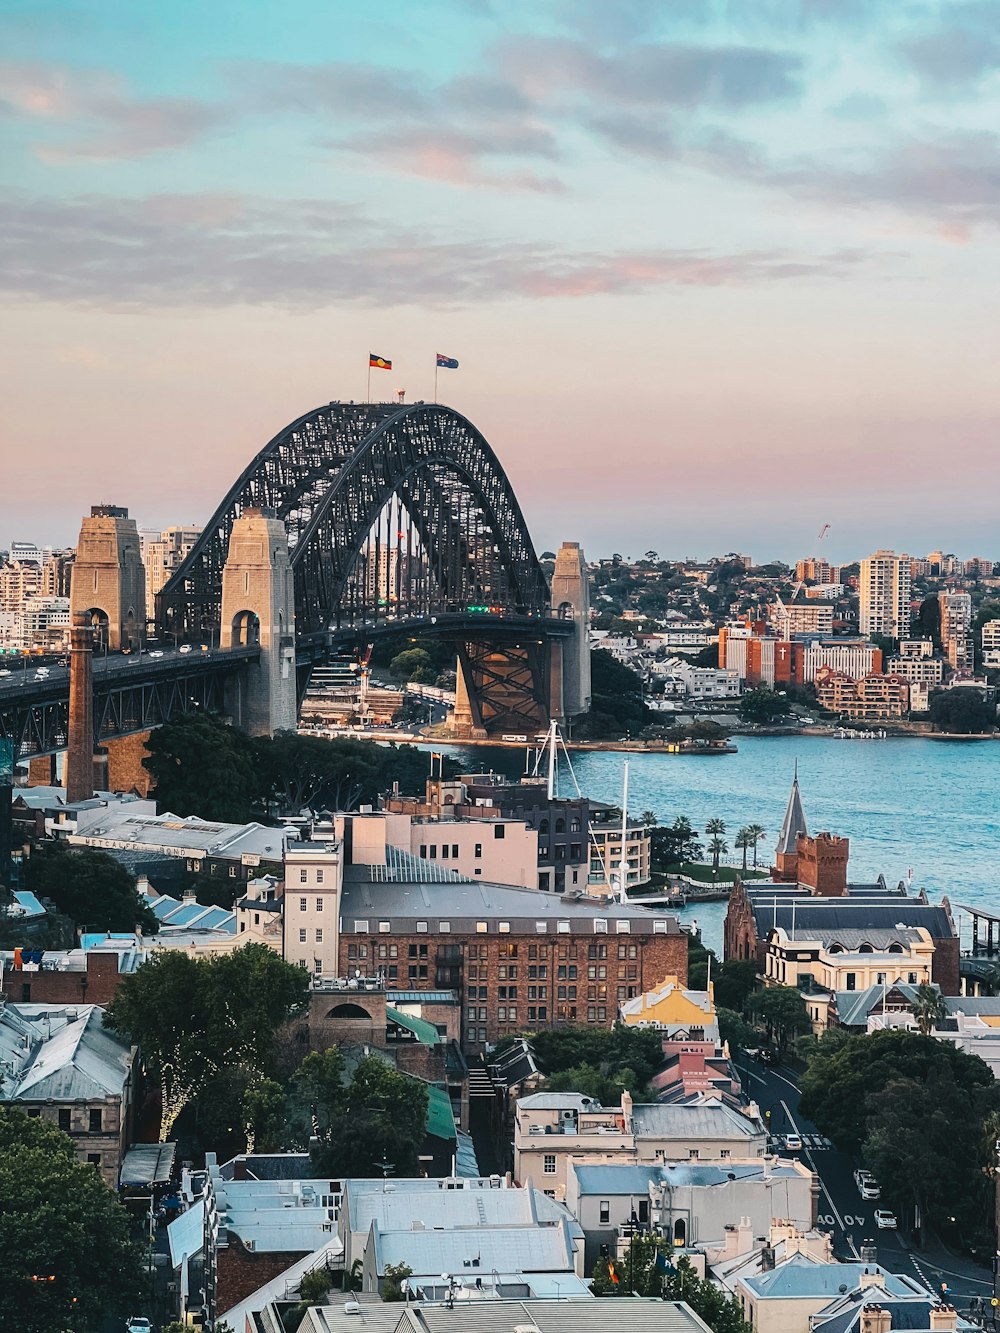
369	378
435	377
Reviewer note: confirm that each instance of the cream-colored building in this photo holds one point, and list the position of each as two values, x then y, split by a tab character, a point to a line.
845	960
498	851
553	1129
606	852
313	881
884	595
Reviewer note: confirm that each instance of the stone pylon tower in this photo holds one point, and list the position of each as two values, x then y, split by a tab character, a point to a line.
80	741
109	579
571	657
258	607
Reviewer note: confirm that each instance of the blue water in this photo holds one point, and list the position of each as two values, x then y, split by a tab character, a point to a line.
929	806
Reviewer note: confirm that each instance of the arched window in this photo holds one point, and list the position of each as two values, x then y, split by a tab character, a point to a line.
543	826
680	1231
896	948
348	1011
560	825
865	948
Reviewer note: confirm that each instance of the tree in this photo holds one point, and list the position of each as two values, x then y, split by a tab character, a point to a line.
715	828
648	818
89	886
193	1018
761	705
264	1115
754	834
68	1259
670	846
201	766
699	958
735	982
299	772
962	710
734	1029
717	847
589	1081
314	1286
616	699
414	664
648	1268
743	843
783	1012
927	621
928	1008
394	1287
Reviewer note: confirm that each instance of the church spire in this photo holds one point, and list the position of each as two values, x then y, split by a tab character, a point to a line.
794	822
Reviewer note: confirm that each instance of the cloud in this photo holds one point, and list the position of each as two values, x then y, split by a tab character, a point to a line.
457	156
662	73
958	50
110	122
219	250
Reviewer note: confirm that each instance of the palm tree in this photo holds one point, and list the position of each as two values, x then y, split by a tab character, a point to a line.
649	819
715	828
755	832
928	1008
718	847
743	840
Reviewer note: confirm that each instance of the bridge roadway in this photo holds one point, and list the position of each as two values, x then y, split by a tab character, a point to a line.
134	692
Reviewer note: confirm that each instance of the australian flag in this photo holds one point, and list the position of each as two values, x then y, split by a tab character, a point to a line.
446	362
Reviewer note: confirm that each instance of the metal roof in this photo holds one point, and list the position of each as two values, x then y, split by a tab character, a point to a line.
440	1116
794	822
426	1033
827	915
60	1052
801	1277
707	1120
148	1164
638	1315
521	1248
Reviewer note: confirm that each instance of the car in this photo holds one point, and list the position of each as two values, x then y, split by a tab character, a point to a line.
793	1143
868	1186
157	653
184	648
138	1323
885	1220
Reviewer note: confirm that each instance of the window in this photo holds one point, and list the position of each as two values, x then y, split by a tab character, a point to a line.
383	929
499	831
95	1122
64	1120
422	930
319	877
911	977
478	849
434	851
549	1164
302	935
319	937
444	927
454	851
25	990
502	1014
303	877
481	927
319	904
605	1206
444	851
303	904
94	1159
852	981
423	850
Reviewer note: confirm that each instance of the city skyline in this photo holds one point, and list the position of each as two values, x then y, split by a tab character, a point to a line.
730	273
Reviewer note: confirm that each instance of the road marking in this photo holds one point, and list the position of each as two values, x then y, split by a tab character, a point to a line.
849	1240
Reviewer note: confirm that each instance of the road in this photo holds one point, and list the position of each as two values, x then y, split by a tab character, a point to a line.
842	1210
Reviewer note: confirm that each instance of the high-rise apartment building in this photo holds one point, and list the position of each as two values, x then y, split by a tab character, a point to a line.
813	569
162	553
956	628
884	595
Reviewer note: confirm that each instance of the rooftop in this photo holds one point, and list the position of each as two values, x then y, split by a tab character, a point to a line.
168	832
639	1315
60	1053
709	1119
801	1277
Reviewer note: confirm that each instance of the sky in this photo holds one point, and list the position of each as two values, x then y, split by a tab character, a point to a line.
717	274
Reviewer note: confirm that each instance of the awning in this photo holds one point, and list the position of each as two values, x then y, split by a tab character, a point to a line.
440	1117
425	1032
147	1164
186	1234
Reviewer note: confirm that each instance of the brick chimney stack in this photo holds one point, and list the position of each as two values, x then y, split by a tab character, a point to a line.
80	742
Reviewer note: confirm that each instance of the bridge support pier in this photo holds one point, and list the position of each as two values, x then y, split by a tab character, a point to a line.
109	579
501	688
571	601
258	606
80	741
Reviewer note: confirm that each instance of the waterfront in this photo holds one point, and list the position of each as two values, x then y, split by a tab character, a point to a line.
930	806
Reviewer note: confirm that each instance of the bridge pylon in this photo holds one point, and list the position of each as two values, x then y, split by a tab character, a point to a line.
108	584
258	607
571	657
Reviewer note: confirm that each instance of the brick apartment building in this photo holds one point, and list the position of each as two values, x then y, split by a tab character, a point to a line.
871	699
516	957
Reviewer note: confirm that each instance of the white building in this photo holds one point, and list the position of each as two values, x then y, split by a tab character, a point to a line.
956	628
884	595
925	671
699	682
44	622
991	644
313	881
854	657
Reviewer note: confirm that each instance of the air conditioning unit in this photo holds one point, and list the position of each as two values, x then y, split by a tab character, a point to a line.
567	1116
534	1129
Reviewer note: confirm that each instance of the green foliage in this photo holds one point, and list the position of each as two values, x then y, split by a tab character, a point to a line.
58	1219
201	766
734	1028
394	1288
783	1012
89	886
264	1115
962	710
669	846
921	1112
605	1060
197	1018
314	1286
928	1008
379	1117
927	621
414	664
698	960
734	983
762	705
616	700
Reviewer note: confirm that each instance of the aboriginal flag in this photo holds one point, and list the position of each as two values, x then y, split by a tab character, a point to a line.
446	362
379	362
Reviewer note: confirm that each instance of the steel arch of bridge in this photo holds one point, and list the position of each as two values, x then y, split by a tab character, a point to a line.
329	476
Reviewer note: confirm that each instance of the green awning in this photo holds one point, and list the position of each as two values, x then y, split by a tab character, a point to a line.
424	1032
440	1117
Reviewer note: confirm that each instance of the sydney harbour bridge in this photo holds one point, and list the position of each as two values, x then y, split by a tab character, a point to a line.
356	522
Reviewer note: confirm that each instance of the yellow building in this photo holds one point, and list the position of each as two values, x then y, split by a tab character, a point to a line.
688	1014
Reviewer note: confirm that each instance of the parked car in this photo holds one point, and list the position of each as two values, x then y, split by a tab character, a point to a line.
793	1143
868	1186
138	1323
885	1220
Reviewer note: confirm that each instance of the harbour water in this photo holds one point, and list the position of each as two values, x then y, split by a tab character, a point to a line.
930	807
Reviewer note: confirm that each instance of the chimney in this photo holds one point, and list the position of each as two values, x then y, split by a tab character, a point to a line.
871	1277
767	1259
875	1320
944	1317
627	1110
744	1236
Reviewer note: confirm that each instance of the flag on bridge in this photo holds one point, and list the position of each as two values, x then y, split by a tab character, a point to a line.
379	362
446	362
